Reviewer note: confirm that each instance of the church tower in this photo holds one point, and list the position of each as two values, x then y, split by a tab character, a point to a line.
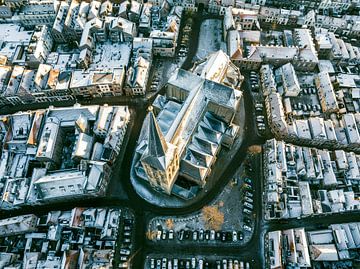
160	160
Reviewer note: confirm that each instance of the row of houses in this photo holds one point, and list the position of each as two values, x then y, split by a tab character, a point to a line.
78	238
302	181
337	246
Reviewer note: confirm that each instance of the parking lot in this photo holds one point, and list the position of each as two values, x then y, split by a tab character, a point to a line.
210	38
229	219
306	104
125	244
195	262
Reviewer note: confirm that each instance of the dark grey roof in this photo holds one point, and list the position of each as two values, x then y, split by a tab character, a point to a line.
156	142
156	147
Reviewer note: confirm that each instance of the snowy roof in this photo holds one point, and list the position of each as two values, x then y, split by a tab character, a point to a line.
323	252
15	33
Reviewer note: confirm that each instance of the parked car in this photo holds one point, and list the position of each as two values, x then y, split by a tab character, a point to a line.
207	235
193	263
171	234
223	237
212	235
201	264
125	251
127	228
158	235
247	211
163	264
218	236
181	235
164	235
236	264
248	205
152	264
247	228
201	235
195	236
234	236
247	220
187	234
124	265
248	181
224	262
247	187
259	120
248	199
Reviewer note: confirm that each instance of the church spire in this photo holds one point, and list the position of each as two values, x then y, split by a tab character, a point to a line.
156	142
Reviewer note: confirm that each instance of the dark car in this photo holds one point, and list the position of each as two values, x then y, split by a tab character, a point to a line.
187	234
228	236
223	237
218	236
181	235
247	220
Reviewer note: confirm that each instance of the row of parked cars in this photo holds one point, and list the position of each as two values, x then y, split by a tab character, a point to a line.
126	242
306	107
260	118
185	39
201	235
254	81
248	203
193	263
155	83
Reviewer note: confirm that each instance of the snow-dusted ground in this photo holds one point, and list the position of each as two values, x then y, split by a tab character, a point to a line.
210	38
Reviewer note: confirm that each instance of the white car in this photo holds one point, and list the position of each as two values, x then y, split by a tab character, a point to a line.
247	211
152	264
248	205
193	263
234	236
158	235
176	262
201	264
212	235
247	228
236	264
171	234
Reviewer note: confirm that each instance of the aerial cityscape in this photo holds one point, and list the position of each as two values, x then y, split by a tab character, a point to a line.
179	134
